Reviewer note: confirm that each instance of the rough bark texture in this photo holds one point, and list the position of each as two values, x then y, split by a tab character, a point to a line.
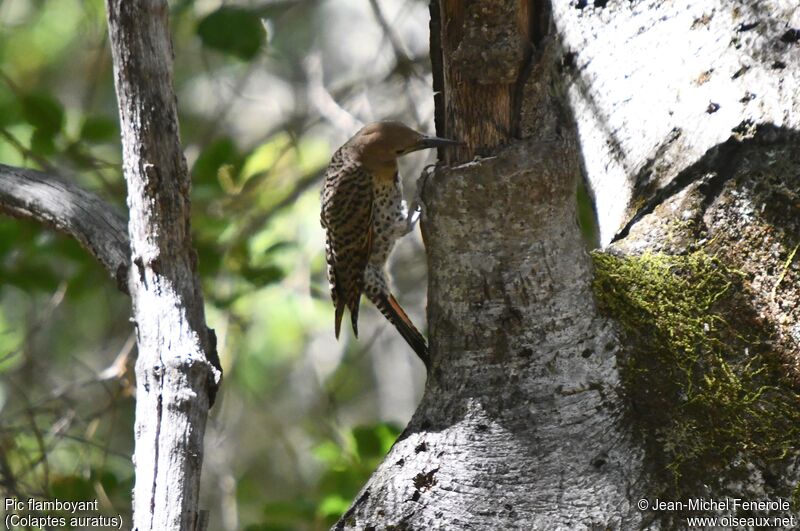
177	368
534	416
656	86
521	425
483	50
687	117
68	208
720	414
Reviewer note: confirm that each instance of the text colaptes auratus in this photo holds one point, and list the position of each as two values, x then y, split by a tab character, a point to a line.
363	213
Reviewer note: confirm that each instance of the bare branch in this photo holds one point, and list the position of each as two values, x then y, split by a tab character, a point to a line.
406	66
70	209
323	101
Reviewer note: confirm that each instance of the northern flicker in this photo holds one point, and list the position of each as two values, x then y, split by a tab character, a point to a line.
363	213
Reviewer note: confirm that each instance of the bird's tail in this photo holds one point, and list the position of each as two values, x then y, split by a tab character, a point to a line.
340	306
391	309
338	319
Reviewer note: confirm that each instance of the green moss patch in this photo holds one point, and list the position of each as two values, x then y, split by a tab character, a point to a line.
707	393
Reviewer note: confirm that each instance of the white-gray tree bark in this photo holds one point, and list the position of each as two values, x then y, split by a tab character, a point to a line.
687	119
519	425
658	85
177	369
673	102
681	113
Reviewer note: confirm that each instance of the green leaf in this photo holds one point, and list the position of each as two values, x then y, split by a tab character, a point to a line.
374	441
72	488
79	154
220	152
261	276
388	434
328	452
343	482
368	442
33	277
280	246
43	112
269	527
98	129
9	112
287	514
587	219
234	31
210	257
107	479
265	156
42	142
333	505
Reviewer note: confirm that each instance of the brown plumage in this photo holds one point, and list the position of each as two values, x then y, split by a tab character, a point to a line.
363	213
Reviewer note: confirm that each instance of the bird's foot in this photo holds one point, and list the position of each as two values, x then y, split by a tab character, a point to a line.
417	210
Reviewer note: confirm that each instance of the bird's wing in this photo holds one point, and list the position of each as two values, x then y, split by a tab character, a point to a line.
347	217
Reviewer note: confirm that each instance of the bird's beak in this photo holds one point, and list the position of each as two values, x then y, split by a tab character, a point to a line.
428	142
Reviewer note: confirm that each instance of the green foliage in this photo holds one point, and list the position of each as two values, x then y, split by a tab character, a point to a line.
218	156
43	112
11	341
233	191
256	229
233	30
707	393
347	463
99	129
46	464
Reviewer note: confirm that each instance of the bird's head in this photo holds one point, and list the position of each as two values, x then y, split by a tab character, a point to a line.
379	144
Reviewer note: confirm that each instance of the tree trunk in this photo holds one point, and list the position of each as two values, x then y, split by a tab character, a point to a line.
690	147
177	369
540	412
520	425
657	87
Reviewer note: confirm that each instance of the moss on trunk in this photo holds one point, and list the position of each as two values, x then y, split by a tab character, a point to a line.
708	394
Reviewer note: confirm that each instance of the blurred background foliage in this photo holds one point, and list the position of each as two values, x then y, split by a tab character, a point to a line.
266	90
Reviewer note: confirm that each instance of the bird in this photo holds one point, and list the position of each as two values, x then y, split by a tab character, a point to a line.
363	214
